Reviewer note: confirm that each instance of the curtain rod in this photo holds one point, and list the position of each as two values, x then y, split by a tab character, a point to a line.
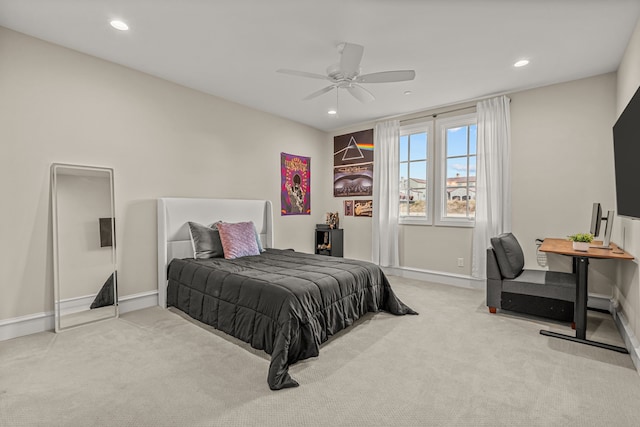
434	115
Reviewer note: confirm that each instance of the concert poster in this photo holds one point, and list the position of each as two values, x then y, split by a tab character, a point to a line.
363	208
353	164
295	189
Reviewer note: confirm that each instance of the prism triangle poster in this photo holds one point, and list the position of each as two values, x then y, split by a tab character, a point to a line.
353	164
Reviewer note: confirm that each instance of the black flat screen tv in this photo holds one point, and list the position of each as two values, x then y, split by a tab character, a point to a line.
626	154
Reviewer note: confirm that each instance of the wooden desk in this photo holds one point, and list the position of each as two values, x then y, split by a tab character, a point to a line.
581	269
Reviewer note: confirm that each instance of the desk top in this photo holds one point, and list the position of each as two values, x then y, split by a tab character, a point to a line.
565	247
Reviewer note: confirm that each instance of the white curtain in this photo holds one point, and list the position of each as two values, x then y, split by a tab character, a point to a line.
493	175
386	193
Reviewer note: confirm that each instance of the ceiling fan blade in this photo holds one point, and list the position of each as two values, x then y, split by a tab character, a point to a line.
387	76
350	60
302	74
318	93
360	93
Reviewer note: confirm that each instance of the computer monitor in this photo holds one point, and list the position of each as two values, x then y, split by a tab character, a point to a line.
607	231
596	218
596	221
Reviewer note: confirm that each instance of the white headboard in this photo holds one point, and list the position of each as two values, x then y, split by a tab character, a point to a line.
173	232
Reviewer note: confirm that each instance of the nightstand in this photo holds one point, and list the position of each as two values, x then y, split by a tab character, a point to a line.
329	242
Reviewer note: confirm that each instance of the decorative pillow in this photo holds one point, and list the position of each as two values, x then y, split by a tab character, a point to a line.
238	239
258	241
205	241
508	254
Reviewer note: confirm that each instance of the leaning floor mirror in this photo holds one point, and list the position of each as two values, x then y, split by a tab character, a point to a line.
84	245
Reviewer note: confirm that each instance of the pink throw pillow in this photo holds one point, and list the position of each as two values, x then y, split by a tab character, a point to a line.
238	239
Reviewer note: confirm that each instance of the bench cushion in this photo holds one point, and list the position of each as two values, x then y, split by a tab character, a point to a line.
548	284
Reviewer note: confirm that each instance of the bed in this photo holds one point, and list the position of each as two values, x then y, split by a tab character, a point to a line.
284	302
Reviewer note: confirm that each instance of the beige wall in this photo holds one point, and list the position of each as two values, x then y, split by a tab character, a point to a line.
161	139
628	290
562	162
436	248
357	230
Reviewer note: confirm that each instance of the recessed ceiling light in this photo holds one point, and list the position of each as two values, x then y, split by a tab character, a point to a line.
521	63
119	25
407	92
332	112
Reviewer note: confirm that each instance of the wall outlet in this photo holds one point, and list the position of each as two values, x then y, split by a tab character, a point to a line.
460	262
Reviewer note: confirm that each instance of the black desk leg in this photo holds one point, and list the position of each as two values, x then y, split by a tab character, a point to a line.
580	310
580	307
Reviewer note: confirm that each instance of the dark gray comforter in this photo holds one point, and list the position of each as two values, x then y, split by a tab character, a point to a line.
283	302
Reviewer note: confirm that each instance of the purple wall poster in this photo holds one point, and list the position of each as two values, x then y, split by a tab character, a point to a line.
295	189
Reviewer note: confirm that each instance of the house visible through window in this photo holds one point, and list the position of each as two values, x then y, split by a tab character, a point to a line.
459	136
438	171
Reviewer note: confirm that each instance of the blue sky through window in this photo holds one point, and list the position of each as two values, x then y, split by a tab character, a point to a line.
415	145
457	146
414	148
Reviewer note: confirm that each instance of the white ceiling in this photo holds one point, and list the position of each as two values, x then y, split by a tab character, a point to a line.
460	49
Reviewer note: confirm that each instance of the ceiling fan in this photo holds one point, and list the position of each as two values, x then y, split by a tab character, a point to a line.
346	74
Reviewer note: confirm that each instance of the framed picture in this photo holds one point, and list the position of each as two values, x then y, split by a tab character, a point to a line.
363	208
348	208
295	187
353	164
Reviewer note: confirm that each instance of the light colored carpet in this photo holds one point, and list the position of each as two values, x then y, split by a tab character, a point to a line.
453	365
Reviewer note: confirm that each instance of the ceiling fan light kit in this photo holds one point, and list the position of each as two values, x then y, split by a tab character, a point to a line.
346	75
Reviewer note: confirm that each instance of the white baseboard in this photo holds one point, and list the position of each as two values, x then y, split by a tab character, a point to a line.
40	322
600	302
75	305
138	301
459	280
26	325
630	340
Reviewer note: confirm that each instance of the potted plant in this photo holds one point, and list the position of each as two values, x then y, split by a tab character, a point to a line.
581	241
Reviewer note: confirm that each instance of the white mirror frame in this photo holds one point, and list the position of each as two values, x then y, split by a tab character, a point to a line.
81	171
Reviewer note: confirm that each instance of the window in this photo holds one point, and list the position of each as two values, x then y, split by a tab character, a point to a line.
438	174
458	136
415	165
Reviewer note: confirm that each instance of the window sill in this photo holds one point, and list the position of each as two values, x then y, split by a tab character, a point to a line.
439	223
414	221
464	223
